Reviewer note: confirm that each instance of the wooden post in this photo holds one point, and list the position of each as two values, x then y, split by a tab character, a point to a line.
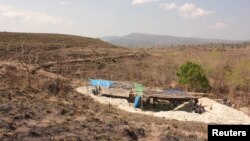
141	102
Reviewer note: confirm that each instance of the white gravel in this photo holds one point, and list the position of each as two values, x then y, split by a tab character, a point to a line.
215	112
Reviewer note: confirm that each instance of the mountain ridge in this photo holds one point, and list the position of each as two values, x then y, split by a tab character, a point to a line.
151	40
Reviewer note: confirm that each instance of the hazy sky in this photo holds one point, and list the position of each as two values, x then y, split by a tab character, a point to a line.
225	19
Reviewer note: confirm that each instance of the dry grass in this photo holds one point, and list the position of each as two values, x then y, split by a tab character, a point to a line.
227	66
28	113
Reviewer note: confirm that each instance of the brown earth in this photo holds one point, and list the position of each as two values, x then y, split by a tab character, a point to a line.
29	113
50	108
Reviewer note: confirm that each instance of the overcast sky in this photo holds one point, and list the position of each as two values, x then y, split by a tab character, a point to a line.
224	19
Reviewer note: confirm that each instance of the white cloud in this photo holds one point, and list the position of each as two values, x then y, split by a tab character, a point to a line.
190	10
169	6
218	25
32	17
134	2
187	9
63	2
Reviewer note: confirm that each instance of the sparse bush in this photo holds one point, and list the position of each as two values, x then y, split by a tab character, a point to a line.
194	76
57	86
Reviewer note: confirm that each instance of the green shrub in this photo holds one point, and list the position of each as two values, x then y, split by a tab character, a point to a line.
194	76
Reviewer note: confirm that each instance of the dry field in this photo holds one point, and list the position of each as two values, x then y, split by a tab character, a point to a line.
50	108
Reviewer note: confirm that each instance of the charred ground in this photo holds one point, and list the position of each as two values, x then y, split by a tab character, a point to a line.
49	108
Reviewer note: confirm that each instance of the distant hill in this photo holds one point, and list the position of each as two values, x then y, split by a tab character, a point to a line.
51	46
51	40
149	40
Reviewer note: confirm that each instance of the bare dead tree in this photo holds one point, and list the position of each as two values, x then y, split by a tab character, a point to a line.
26	59
35	72
24	62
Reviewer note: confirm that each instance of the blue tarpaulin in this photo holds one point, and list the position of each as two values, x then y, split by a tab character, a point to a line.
99	82
137	101
174	91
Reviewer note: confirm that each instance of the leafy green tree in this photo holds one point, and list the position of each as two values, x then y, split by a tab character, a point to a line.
194	76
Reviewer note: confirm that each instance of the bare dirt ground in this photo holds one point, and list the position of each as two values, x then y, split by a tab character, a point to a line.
50	109
28	113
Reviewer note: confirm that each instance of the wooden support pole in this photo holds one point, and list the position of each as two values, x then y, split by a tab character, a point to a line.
142	100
